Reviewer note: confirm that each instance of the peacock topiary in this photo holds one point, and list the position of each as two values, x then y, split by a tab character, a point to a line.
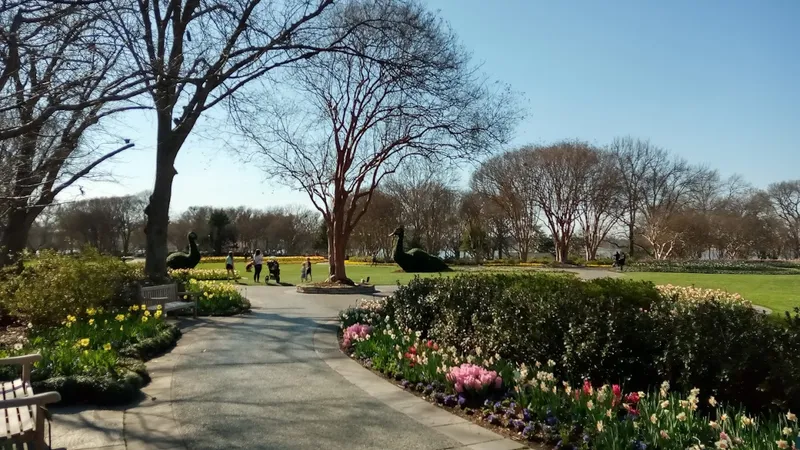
416	259
180	260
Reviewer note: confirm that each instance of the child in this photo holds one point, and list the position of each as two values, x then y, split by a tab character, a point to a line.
229	265
308	269
303	272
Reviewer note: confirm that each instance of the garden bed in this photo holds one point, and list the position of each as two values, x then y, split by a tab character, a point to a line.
336	288
765	267
97	357
545	358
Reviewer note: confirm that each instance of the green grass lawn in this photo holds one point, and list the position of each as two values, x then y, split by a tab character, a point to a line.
290	273
777	292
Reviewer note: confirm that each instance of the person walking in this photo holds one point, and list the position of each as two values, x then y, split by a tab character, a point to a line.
229	265
258	262
303	268
308	269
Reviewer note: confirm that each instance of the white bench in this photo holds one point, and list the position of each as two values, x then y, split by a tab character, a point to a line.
23	411
168	297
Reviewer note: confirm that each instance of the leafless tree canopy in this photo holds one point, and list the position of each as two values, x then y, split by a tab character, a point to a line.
406	91
61	75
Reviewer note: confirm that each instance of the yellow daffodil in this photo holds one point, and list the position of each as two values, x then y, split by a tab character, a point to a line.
84	342
107	347
134	308
91	311
144	318
157	314
91	321
147	313
120	317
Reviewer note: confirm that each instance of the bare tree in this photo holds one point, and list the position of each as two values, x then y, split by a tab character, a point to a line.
427	204
409	94
665	188
371	236
505	180
61	77
785	198
562	172
600	207
198	54
634	158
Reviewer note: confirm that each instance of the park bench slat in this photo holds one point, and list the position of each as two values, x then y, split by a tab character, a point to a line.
167	297
18	421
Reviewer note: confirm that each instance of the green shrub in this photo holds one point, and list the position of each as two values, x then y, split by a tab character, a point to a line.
52	286
610	330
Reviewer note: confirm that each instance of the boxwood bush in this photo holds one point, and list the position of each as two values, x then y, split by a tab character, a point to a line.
612	330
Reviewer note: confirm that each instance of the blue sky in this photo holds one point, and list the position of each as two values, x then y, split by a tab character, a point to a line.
714	81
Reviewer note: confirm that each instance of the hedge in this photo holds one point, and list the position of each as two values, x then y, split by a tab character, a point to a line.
611	330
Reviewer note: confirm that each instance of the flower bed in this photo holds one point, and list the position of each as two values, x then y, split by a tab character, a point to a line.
95	357
533	403
280	259
184	275
765	267
217	298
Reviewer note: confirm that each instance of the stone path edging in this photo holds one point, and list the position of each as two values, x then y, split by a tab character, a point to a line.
468	434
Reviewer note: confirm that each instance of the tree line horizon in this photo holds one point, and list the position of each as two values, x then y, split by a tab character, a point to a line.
511	208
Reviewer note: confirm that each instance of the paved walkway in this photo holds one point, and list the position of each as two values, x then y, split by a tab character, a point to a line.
270	379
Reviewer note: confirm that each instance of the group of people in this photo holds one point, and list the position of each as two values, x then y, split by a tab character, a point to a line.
257	264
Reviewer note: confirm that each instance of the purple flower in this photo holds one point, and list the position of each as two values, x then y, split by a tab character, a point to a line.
513	406
494	420
428	389
498	407
526	415
527	431
487	403
439	397
450	401
462	401
405	384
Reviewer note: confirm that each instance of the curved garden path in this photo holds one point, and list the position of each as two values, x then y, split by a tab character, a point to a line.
257	382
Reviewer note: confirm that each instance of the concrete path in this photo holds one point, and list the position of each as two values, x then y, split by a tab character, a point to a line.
273	379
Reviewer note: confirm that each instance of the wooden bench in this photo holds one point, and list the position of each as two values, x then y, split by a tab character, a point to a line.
168	297
23	411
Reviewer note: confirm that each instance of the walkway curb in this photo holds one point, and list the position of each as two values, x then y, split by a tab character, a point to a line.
468	434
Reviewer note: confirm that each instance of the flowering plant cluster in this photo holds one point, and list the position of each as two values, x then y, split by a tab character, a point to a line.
748	266
355	333
90	343
217	298
184	275
367	311
691	294
473	379
534	404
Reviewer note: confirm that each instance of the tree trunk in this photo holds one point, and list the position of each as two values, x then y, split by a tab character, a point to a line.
562	250
15	236
630	237
157	212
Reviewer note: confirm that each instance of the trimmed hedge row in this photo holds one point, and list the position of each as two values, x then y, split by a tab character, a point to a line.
611	330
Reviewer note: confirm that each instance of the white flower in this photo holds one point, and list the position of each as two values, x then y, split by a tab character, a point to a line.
746	421
418	333
712	401
551	363
478	351
681	417
366	338
791	417
713	425
653	418
538	364
590	405
665	404
599	426
497	356
787	431
782	444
